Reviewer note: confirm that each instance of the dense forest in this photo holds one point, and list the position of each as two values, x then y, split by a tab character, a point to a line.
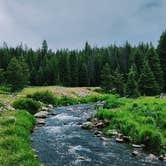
127	70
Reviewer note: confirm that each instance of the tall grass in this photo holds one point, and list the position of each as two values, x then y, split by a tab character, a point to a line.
15	149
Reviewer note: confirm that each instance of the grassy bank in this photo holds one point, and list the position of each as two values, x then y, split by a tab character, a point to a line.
15	148
15	126
142	119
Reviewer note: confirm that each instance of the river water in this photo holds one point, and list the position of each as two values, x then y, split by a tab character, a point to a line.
62	142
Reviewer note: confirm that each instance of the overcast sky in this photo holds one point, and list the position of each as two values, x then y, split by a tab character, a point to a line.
69	23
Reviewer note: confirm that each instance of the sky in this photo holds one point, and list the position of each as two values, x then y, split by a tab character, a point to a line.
70	23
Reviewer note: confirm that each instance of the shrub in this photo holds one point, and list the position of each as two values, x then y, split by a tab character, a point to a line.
27	104
113	103
151	138
66	101
46	97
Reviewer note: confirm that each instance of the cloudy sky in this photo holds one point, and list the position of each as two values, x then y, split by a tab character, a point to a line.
69	23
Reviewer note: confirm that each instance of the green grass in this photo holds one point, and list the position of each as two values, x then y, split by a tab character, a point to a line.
15	149
143	119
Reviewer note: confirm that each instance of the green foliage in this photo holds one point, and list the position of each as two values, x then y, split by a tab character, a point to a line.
162	54
28	104
147	82
108	67
117	81
2	77
151	138
106	78
113	102
132	84
15	148
83	77
46	97
17	74
142	119
155	66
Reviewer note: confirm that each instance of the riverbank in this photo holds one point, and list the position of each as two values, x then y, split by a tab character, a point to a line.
140	122
16	125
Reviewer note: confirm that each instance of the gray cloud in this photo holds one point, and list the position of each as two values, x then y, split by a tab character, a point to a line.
69	23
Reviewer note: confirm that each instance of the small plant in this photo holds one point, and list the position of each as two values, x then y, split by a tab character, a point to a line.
28	104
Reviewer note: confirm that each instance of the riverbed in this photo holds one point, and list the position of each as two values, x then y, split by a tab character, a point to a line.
62	142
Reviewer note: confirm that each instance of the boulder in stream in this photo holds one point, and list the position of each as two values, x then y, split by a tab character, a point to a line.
135	153
119	140
41	114
151	157
69	109
87	125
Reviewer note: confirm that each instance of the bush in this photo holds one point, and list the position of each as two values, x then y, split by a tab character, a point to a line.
151	138
45	97
113	102
27	104
66	101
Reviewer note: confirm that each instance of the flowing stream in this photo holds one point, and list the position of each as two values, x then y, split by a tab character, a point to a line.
62	142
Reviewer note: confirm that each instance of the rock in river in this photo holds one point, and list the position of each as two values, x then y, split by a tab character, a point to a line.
41	114
87	125
135	153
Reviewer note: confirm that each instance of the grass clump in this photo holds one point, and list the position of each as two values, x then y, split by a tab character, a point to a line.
45	97
15	146
28	104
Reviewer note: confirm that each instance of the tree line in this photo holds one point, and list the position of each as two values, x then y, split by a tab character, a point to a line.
127	70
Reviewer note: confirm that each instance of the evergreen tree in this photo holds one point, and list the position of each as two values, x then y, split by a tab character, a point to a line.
147	82
83	75
155	66
106	78
74	69
132	85
117	80
1	76
15	75
162	55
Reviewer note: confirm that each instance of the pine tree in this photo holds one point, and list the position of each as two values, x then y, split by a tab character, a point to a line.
162	55
74	68
155	66
1	76
117	81
132	85
15	75
83	75
147	82
106	78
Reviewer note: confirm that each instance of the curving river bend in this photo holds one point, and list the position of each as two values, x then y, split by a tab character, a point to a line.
62	142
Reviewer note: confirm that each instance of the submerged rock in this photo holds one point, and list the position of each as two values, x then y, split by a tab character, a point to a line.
135	153
70	109
151	157
87	125
41	114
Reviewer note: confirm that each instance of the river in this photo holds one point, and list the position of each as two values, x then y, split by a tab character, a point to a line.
62	142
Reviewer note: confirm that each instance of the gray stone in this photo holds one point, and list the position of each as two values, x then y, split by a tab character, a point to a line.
151	157
135	153
119	140
69	109
41	114
87	125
